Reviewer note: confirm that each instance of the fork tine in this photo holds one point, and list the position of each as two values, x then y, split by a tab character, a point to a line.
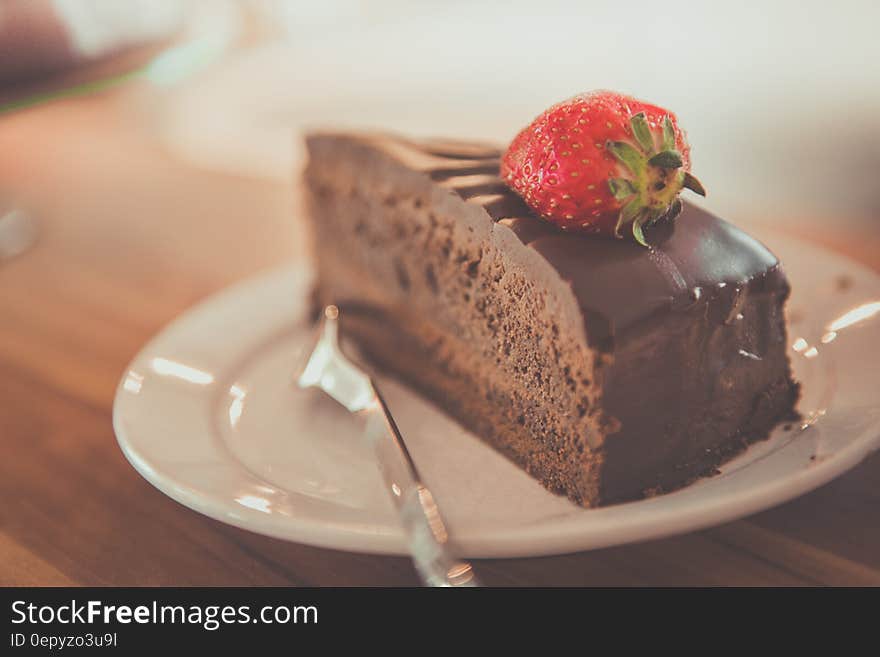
328	368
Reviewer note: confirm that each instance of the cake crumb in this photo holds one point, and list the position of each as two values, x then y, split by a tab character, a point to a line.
843	283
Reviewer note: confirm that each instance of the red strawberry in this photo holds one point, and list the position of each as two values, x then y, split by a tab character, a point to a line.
600	161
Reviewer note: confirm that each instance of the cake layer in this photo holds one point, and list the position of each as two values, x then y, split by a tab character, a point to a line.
609	371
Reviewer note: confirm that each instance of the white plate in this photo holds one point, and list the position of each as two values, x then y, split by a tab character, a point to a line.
208	414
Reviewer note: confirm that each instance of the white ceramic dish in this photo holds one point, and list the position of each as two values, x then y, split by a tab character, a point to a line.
208	413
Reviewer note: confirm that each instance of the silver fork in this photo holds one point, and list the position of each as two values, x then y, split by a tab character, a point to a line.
329	370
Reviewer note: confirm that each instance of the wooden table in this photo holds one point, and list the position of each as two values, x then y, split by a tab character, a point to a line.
129	238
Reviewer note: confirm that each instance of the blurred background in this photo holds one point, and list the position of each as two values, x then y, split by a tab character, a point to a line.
148	153
781	98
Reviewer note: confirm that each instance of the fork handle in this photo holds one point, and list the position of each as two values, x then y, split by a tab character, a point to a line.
425	530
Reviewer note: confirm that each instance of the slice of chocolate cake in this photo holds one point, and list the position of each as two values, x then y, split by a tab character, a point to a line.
607	370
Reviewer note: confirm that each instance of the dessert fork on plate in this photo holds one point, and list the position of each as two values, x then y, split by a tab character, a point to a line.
329	370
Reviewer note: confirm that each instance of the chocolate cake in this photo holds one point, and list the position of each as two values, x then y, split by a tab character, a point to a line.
607	370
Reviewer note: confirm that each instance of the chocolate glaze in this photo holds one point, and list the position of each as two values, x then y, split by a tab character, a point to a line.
619	283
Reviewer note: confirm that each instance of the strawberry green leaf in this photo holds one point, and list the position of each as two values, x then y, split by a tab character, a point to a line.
693	184
621	188
667	160
627	155
627	214
668	134
642	132
637	232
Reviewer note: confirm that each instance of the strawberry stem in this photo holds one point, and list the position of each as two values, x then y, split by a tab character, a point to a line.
690	181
